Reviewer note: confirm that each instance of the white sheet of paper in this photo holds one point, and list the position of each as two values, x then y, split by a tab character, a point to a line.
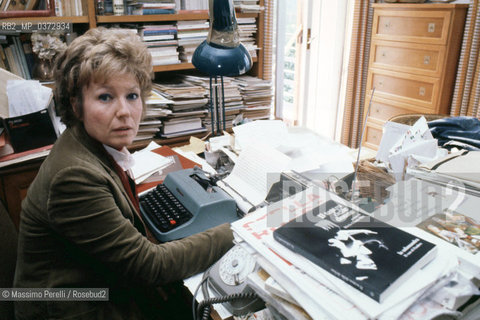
20	103
418	132
255	171
269	132
392	132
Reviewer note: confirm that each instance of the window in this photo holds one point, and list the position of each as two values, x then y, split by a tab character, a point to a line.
312	38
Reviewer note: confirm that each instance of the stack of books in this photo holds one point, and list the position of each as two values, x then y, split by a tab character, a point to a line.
338	263
188	106
156	108
332	260
161	43
193	4
16	55
64	8
257	95
146	7
233	98
248	28
190	35
248	6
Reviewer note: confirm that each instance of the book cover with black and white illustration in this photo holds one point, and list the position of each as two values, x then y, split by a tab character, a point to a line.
368	254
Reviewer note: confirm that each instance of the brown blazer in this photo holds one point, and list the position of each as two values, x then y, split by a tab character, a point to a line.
77	231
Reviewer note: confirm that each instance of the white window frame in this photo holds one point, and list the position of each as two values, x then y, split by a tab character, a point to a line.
320	70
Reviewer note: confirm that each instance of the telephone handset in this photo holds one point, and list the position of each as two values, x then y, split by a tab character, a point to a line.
227	279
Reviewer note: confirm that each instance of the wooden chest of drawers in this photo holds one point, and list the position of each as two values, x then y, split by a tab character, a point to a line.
413	61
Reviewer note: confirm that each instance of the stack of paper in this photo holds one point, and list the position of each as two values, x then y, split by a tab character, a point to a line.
248	6
257	97
188	106
232	97
148	163
317	291
161	43
156	107
247	28
190	35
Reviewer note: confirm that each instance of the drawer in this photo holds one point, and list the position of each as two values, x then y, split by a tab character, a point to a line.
424	27
408	57
406	88
373	136
382	110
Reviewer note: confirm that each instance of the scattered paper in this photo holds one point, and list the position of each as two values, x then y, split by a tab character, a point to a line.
405	147
399	160
418	132
392	132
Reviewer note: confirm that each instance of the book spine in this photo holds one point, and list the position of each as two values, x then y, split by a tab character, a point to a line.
23	59
159	37
58	8
3	57
12	61
158	32
345	278
29	56
158	11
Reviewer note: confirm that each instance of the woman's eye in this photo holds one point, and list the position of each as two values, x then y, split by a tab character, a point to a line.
132	96
105	97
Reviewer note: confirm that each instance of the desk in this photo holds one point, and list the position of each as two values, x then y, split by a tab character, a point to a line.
315	297
14	182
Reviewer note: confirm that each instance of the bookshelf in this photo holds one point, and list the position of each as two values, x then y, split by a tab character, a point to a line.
91	20
15	179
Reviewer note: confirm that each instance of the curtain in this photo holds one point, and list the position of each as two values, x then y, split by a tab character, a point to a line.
466	94
268	40
357	73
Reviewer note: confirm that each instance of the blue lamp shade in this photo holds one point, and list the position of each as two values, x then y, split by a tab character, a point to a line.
217	60
222	54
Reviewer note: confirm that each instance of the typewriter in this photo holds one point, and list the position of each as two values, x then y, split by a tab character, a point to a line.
186	203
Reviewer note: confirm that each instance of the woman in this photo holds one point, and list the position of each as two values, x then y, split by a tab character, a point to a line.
80	226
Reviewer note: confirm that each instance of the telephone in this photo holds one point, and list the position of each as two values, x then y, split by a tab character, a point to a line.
227	279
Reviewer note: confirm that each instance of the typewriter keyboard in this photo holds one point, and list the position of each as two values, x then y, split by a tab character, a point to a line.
165	211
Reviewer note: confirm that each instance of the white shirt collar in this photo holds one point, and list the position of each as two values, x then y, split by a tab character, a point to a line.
123	157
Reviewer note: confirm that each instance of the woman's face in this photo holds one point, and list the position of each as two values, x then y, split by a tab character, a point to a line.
112	110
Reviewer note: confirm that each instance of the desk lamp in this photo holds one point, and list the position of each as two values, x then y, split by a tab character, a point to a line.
220	55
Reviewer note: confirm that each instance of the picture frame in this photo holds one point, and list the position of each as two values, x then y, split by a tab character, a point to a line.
24	9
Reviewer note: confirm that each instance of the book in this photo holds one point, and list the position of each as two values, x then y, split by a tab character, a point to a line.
158	37
181	124
458	231
368	254
158	11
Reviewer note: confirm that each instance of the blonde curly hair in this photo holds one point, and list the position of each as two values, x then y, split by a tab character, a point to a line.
95	57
